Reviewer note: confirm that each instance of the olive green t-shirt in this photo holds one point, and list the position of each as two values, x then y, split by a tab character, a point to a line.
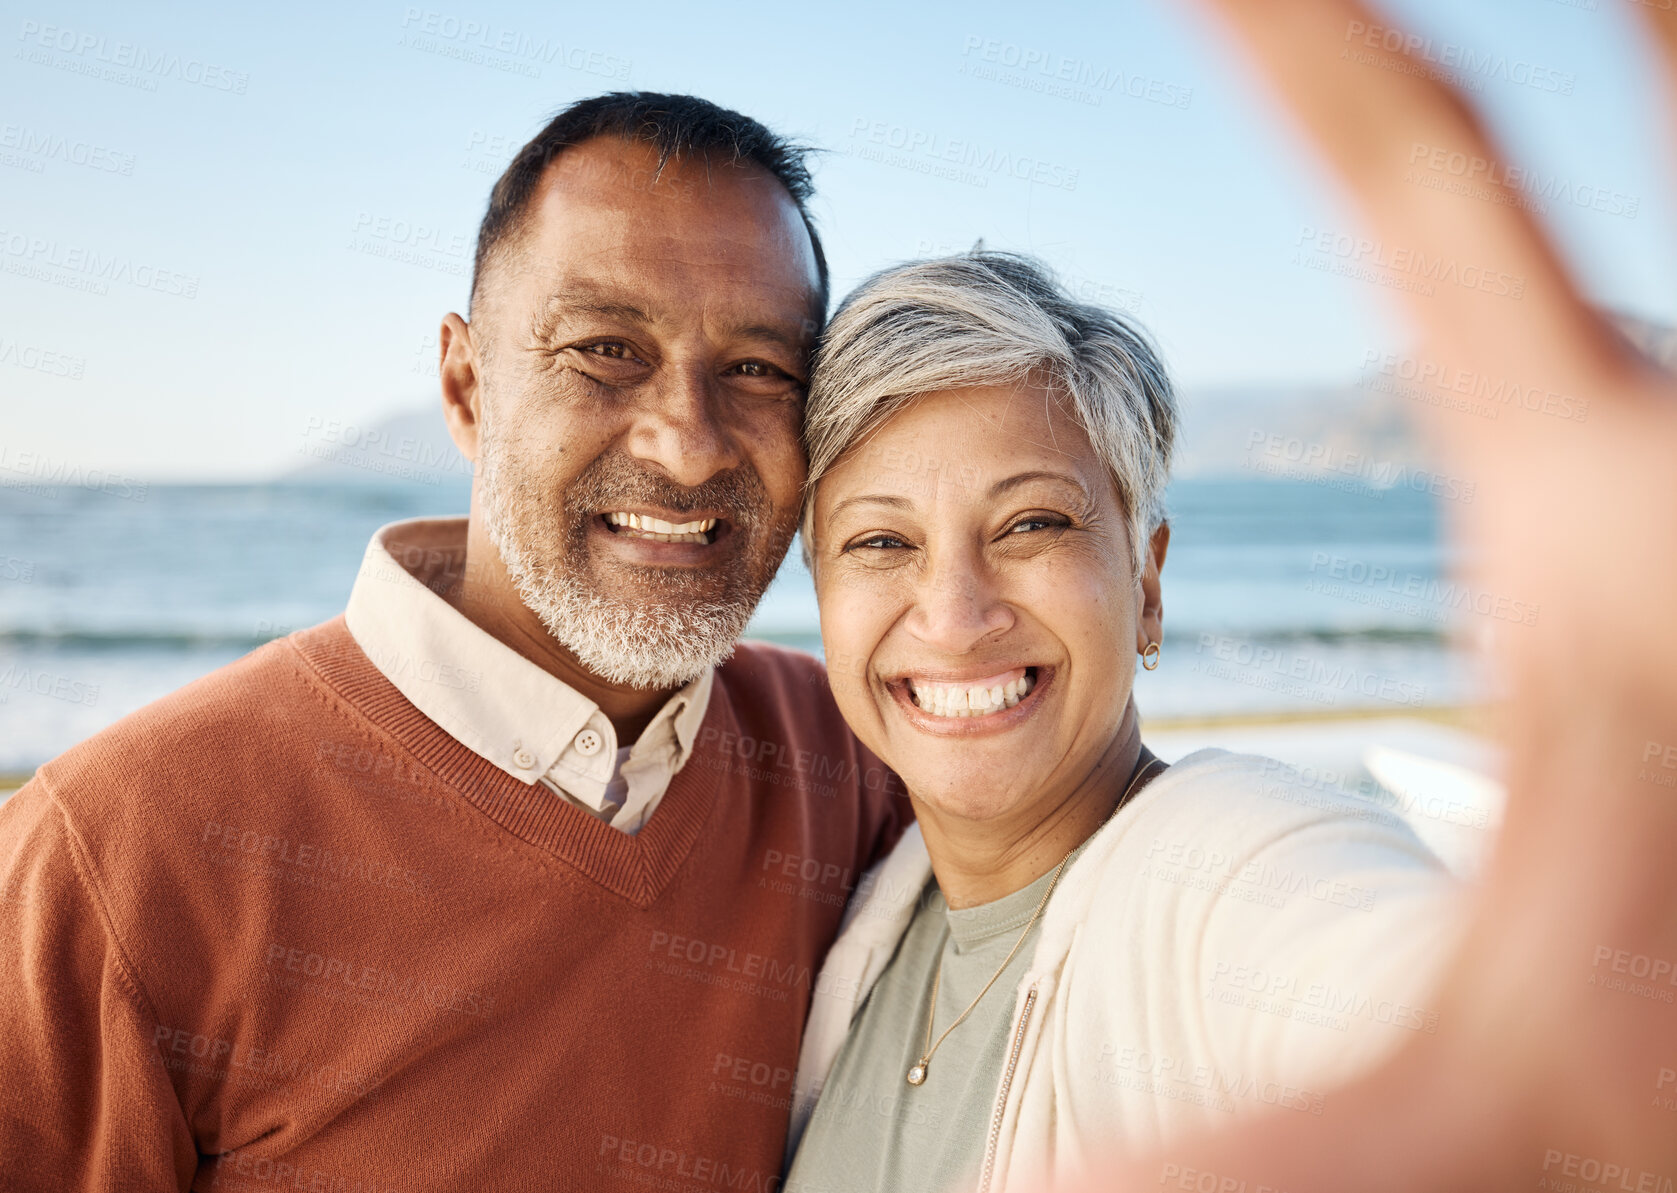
871	1131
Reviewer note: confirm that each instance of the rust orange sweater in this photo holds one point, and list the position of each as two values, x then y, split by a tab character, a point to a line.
280	931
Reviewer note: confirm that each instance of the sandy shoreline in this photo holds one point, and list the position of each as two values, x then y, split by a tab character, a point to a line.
1286	735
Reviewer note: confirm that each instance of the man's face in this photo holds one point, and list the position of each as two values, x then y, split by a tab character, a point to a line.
642	352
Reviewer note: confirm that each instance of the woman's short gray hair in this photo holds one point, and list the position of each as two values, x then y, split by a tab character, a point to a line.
990	318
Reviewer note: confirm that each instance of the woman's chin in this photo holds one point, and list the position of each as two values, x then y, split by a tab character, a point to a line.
972	798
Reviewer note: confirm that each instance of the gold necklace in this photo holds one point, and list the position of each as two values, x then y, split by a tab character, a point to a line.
918	1072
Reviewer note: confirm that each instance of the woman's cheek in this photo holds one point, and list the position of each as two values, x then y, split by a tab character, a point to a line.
847	641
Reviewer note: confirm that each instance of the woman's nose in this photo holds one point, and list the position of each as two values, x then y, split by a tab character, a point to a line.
957	606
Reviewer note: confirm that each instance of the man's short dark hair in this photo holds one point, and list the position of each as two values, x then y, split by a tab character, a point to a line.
676	126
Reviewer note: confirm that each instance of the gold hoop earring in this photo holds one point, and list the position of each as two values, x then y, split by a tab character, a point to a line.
1150	656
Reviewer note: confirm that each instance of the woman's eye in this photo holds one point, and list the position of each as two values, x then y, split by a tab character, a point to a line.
879	542
1033	524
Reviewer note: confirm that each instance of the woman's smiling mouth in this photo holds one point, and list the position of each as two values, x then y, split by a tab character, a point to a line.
975	698
970	706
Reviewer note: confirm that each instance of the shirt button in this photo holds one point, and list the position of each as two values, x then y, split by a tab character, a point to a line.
588	743
523	759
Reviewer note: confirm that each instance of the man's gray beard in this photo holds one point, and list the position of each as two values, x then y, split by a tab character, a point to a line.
654	642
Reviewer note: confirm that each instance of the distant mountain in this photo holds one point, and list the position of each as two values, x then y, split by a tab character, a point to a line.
1295	431
1364	430
412	447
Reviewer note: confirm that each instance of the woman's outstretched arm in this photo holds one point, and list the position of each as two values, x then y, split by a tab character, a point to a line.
1555	1060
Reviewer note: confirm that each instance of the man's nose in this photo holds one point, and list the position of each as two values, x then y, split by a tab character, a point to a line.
680	429
957	604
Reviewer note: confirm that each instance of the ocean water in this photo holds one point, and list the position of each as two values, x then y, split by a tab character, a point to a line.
1280	596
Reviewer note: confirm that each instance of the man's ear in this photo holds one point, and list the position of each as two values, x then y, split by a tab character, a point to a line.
458	369
1150	625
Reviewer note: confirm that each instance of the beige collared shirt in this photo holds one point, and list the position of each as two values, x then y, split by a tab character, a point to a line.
495	701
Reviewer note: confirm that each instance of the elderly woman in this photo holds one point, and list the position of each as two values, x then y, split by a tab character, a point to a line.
1077	949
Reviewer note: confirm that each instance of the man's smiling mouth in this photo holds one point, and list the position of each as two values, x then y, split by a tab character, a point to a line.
658	530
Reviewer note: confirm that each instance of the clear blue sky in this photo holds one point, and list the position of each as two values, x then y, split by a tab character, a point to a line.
278	151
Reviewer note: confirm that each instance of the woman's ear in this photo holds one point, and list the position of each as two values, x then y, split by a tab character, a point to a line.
1150	622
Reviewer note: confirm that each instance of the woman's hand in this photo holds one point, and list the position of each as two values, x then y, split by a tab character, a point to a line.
1555	1061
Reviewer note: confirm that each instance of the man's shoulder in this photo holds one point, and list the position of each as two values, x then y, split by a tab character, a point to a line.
767	681
784	709
226	728
756	663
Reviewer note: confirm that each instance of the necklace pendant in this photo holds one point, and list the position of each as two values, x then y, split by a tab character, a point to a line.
917	1075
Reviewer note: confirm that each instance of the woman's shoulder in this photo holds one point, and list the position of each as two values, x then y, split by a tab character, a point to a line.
1215	818
1218	797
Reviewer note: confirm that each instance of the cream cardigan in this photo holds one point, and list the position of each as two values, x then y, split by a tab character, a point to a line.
1235	940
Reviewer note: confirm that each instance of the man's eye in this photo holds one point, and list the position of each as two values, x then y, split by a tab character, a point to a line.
612	348
756	368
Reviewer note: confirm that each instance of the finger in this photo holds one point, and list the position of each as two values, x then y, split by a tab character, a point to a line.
1478	276
1368	1137
1662	20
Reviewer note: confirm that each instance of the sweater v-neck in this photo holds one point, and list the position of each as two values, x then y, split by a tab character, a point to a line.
636	868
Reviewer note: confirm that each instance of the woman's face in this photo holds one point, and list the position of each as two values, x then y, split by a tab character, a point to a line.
978	606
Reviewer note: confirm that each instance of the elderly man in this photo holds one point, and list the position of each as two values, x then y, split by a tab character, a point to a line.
515	875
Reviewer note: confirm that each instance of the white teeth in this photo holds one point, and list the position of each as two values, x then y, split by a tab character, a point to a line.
661	531
959	700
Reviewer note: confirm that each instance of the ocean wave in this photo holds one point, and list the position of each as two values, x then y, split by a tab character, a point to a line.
159	639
